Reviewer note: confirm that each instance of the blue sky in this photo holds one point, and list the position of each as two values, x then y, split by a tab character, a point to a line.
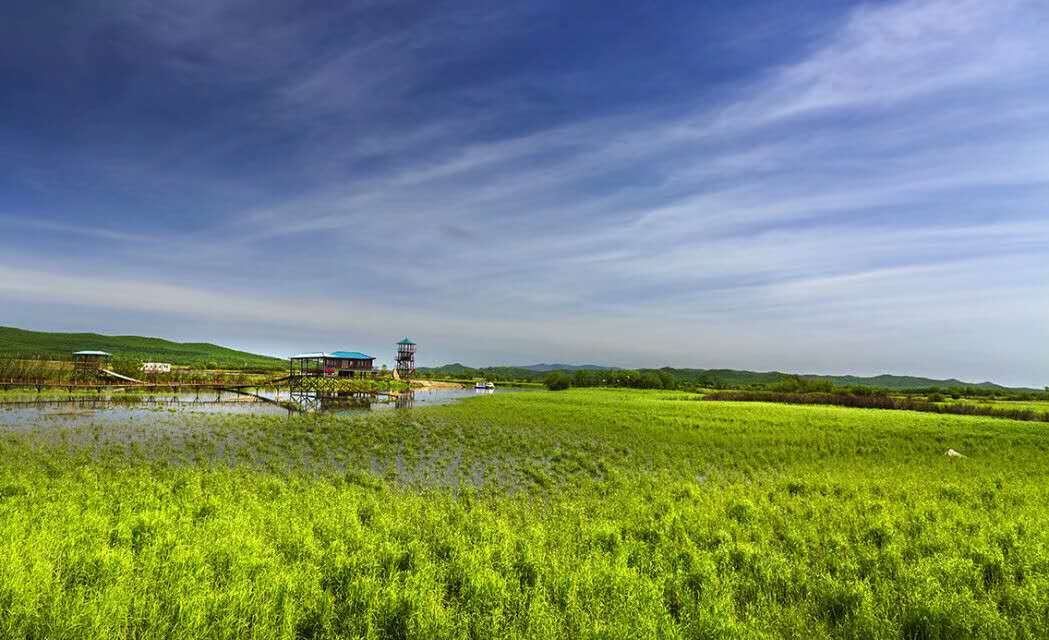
821	187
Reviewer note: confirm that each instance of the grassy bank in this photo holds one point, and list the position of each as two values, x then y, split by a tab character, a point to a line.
586	513
1029	411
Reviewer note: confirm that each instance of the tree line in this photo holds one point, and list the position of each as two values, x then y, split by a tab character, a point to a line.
716	380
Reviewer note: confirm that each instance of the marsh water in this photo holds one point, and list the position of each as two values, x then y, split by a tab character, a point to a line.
24	411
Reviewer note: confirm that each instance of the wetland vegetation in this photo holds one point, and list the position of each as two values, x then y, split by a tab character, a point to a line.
584	513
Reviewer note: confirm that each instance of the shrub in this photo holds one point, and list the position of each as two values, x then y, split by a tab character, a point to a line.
649	380
558	381
797	384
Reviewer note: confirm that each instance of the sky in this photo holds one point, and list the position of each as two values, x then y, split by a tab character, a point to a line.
817	187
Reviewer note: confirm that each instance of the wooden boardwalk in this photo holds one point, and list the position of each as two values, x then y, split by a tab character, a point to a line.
114	374
102	386
300	404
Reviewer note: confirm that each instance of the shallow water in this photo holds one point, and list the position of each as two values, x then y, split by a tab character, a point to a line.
27	412
230	430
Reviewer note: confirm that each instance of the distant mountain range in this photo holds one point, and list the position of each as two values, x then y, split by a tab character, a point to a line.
458	368
728	377
887	381
546	368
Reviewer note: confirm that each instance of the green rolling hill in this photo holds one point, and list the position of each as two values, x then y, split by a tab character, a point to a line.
21	343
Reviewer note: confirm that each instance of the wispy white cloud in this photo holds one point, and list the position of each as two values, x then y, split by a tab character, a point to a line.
888	53
22	223
881	186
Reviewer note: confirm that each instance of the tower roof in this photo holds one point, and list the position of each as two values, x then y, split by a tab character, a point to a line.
406	341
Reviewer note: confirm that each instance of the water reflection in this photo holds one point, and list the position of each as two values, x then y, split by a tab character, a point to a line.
330	403
154	408
360	402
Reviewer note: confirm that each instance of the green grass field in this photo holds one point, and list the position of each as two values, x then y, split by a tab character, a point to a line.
1032	405
580	514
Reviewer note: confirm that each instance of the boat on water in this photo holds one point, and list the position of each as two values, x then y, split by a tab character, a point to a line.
484	385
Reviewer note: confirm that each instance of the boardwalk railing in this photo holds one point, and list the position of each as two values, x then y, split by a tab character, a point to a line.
114	384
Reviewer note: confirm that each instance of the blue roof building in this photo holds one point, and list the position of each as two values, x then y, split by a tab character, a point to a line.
343	364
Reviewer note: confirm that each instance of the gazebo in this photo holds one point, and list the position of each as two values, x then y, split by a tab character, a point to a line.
90	362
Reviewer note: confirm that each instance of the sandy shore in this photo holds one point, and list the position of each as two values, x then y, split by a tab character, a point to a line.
435	384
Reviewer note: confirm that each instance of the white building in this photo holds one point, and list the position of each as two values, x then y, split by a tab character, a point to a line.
156	367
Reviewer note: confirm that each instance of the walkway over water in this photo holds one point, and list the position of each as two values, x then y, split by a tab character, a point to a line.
138	384
152	407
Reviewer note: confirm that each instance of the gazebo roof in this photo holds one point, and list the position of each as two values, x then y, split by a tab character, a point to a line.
91	353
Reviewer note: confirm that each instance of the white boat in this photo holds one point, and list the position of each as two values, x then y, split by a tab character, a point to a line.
484	385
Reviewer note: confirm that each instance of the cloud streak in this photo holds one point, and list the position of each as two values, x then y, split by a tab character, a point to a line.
880	183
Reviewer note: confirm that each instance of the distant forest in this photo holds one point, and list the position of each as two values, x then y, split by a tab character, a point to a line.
690	379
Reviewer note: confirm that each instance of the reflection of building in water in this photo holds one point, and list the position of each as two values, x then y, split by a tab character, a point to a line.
312	402
305	402
406	400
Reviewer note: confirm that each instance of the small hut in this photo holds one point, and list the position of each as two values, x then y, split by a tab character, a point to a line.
91	362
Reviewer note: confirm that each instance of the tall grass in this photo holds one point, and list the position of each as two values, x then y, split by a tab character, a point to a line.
34	369
41	370
583	513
